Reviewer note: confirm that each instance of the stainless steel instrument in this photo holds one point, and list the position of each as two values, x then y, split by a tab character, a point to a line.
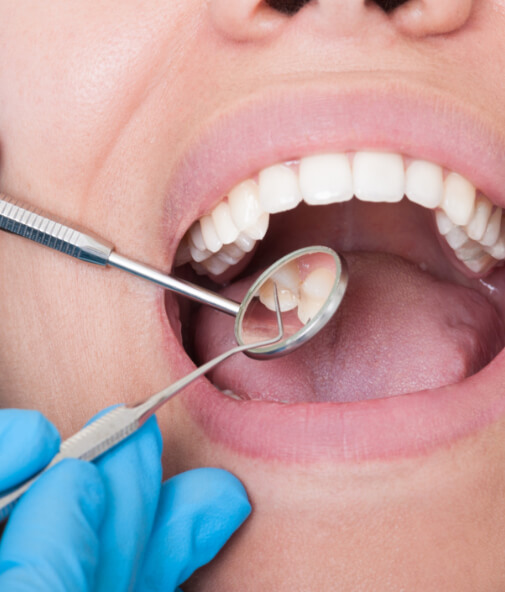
120	422
277	336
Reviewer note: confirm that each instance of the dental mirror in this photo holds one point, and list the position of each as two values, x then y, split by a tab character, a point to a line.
310	282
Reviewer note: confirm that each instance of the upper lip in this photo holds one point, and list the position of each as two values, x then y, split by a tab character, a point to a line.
288	121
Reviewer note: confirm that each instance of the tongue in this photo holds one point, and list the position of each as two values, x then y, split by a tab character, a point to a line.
398	330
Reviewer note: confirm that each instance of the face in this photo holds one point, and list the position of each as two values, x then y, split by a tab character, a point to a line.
183	131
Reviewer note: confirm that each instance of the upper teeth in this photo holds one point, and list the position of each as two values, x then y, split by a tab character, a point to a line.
469	222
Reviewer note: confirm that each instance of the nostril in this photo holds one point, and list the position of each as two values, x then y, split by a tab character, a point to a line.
389	5
289	7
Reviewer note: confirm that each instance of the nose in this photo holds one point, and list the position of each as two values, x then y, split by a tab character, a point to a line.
253	19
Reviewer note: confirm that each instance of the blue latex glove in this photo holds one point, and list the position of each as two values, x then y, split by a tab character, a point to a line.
102	527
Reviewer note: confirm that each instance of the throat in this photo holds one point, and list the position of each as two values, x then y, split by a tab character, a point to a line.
399	330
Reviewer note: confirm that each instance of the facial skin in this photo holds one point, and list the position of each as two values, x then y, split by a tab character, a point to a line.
98	104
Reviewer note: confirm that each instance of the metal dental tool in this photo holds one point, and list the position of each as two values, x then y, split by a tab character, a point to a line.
85	246
120	422
250	317
285	307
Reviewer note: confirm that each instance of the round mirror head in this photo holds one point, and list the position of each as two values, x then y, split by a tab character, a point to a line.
310	284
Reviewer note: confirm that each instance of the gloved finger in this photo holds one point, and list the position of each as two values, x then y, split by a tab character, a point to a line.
28	442
198	512
51	541
131	474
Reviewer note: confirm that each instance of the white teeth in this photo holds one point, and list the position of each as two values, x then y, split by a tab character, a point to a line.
287	299
468	251
314	292
480	265
307	309
195	235
378	177
478	255
196	244
318	284
307	296
444	225
215	266
492	231
259	228
456	237
245	242
198	255
469	222
325	179
287	280
210	237
227	258
424	183
223	223
233	250
288	276
244	201
459	199
479	262
279	189
497	250
478	224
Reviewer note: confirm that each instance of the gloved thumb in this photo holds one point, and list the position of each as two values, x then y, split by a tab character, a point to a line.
28	441
197	513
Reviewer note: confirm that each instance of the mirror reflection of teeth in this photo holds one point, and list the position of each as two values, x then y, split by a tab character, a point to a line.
288	300
468	221
318	284
288	282
314	292
308	296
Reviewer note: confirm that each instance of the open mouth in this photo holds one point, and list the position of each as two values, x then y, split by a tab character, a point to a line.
411	359
424	248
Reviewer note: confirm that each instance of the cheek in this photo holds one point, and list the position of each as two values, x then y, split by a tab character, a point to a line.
80	137
75	338
65	105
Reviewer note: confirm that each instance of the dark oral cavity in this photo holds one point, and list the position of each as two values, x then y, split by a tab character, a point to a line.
406	323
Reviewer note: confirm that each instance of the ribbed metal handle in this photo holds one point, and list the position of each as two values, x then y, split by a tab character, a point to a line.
32	225
87	444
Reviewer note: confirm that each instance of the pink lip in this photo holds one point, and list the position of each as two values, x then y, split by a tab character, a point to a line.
380	429
351	114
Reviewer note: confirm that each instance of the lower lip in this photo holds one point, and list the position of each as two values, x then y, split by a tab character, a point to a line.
380	429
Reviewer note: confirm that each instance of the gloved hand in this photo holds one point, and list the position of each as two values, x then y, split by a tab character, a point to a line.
111	525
